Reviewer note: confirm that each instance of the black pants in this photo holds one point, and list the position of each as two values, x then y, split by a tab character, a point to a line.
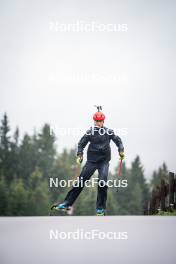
87	171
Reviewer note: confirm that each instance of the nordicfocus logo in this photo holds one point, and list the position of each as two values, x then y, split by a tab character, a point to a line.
79	131
81	234
79	182
86	26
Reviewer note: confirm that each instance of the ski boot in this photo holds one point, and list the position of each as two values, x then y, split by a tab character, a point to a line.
100	212
60	207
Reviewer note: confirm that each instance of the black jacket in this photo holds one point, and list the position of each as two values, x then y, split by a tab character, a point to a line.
99	147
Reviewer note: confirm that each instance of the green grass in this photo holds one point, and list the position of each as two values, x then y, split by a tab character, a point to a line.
162	213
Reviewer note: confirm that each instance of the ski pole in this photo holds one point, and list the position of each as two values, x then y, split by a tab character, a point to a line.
120	166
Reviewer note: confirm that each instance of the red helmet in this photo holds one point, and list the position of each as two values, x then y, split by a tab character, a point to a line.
98	116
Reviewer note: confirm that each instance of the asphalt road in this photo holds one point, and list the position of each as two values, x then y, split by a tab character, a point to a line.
89	239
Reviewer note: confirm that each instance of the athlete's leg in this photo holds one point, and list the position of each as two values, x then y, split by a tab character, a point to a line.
103	170
87	171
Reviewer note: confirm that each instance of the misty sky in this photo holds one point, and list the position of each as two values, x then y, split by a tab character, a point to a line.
58	77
